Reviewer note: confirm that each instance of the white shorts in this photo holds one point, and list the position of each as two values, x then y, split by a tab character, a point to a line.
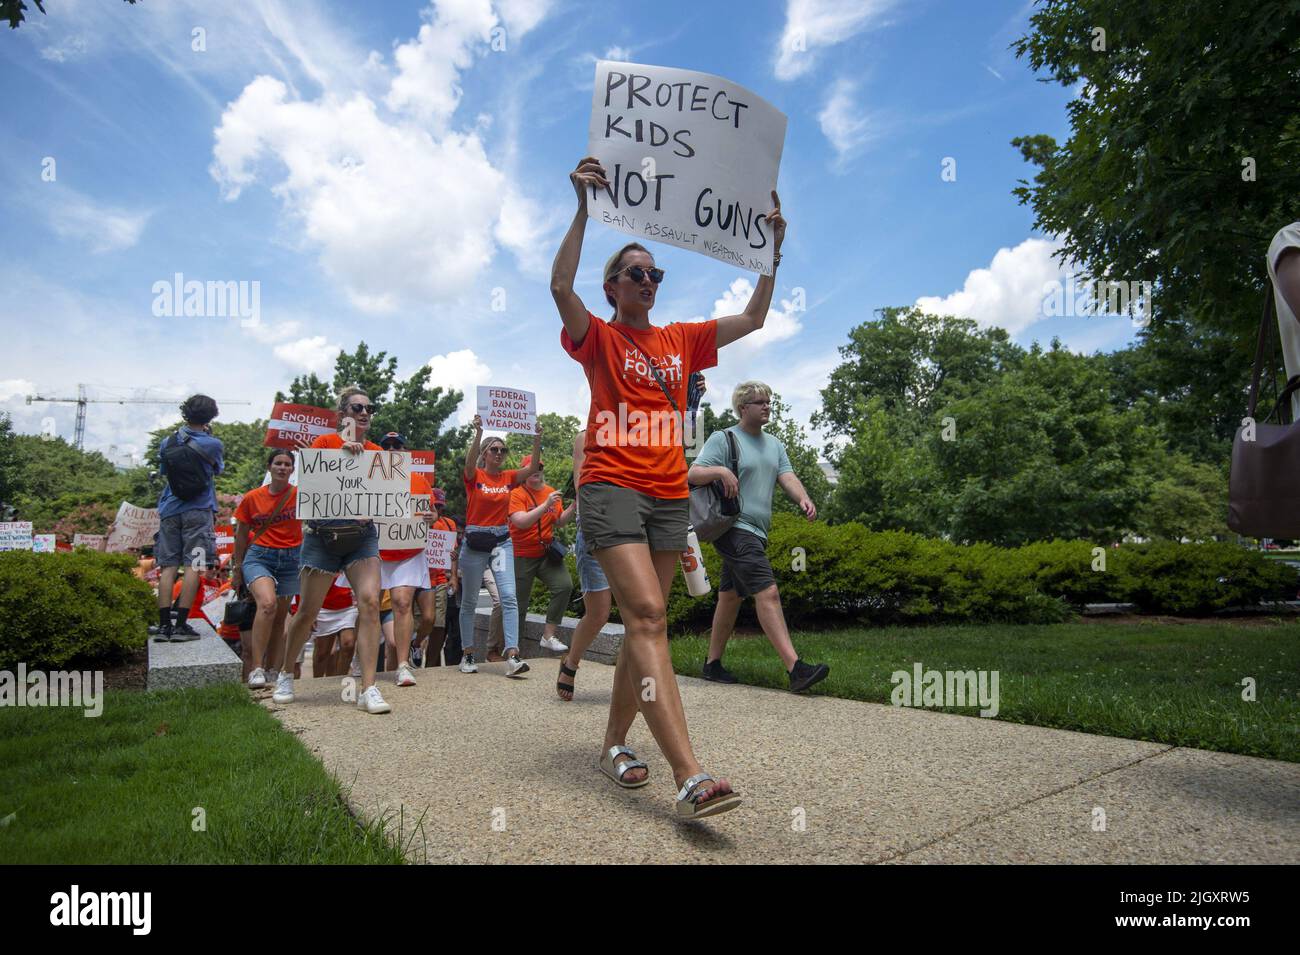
332	621
412	572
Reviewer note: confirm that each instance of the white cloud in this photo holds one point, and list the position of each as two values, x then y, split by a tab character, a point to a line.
620	53
314	354
1009	293
15	388
462	371
778	326
70	48
842	121
521	16
102	227
428	68
270	333
814	24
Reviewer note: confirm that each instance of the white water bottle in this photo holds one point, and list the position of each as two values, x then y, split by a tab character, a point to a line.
692	560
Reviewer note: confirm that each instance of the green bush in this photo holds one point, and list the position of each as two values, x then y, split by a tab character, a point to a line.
82	607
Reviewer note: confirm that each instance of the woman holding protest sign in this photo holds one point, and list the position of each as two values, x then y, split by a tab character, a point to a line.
632	493
536	510
268	536
487	540
331	546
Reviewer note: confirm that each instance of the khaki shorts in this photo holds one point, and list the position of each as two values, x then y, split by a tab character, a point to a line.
613	515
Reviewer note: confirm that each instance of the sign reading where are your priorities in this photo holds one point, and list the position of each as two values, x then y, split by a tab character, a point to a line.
334	484
691	160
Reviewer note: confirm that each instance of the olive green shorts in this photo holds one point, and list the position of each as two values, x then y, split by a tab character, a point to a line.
613	515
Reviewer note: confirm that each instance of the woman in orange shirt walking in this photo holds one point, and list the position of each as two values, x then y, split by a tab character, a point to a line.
268	535
360	565
632	493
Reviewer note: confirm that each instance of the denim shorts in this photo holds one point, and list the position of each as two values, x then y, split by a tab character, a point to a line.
590	576
181	534
316	557
278	563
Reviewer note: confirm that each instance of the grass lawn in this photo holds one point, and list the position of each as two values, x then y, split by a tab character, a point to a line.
123	787
1168	683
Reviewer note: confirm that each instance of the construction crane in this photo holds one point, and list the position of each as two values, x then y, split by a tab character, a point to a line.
81	401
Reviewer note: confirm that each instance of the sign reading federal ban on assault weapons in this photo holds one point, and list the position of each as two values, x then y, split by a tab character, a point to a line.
691	160
507	409
439	549
334	484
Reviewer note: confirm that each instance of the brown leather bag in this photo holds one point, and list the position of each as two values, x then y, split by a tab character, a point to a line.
1264	483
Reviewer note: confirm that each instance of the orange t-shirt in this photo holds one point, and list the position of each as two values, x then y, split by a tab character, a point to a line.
255	510
487	498
438	575
419	485
527	542
634	439
335	441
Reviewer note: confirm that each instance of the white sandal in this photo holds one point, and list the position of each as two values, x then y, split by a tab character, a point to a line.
616	771
688	805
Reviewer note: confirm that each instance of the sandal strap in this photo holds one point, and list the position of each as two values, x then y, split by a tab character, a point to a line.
687	792
566	671
615	752
629	764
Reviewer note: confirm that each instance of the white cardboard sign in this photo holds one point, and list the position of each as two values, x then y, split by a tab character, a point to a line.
93	541
15	535
133	527
43	544
441	545
507	409
334	484
691	160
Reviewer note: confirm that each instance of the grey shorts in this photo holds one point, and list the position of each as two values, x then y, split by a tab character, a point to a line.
745	567
180	535
613	515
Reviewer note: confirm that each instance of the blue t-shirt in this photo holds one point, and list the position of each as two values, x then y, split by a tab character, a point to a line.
762	459
212	448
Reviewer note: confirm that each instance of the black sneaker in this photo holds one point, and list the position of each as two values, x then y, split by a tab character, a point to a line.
162	634
714	670
805	675
184	633
417	658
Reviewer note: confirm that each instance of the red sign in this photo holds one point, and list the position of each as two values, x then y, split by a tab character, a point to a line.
225	539
296	426
422	463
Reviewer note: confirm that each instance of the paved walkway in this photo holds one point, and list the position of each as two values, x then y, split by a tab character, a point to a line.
870	783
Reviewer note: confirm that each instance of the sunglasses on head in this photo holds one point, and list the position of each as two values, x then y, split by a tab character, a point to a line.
356	408
636	274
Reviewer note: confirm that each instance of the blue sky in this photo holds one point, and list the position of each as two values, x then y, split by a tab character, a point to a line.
384	174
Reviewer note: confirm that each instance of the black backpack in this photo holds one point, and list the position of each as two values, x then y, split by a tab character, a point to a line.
184	464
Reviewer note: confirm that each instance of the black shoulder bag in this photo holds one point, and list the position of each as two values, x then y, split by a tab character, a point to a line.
712	512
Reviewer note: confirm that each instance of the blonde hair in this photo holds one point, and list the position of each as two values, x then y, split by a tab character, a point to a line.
612	265
346	395
487	443
748	391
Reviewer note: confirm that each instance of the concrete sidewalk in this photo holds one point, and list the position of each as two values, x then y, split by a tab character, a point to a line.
870	783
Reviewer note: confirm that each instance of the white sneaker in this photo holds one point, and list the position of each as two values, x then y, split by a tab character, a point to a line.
552	644
372	702
283	688
467	664
355	669
404	675
515	666
257	679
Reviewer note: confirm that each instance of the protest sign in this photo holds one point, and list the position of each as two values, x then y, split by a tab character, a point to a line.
334	484
507	409
408	534
296	426
214	609
422	463
133	527
439	548
93	541
15	535
691	160
43	543
225	539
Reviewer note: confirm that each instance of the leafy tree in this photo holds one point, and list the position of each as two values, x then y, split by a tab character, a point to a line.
53	480
9	464
907	358
308	390
1187	500
803	458
1178	171
558	432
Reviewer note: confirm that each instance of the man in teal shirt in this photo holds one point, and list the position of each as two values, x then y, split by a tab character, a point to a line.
746	572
